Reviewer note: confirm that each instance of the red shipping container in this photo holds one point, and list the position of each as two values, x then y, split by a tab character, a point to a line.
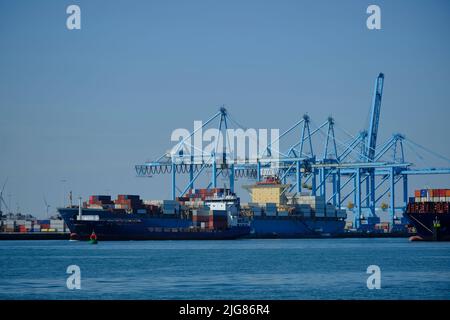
200	218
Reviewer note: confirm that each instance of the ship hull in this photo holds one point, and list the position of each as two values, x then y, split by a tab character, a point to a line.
115	226
295	227
424	224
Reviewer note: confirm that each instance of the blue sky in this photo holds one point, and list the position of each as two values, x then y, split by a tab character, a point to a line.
85	106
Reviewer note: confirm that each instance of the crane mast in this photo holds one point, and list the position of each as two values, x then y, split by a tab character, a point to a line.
374	118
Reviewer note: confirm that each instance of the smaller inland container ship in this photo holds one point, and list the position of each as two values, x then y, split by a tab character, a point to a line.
130	218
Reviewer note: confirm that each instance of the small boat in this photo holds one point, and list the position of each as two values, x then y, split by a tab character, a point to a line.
73	237
416	238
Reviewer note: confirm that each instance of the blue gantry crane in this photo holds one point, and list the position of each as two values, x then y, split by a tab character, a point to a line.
353	166
371	145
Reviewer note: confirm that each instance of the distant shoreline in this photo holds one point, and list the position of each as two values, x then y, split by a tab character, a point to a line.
34	236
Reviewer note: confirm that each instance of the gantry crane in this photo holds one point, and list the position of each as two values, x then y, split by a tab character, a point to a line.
345	169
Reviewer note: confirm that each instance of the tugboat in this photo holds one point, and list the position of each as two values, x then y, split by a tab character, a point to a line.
73	237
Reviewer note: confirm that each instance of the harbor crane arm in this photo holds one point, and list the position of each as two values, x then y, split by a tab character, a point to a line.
374	118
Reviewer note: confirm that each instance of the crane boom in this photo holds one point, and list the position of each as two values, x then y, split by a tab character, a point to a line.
374	118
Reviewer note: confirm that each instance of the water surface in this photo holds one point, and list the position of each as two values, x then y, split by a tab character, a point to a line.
239	269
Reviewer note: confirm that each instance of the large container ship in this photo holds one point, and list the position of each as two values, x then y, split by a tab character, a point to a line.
207	214
429	212
276	214
130	218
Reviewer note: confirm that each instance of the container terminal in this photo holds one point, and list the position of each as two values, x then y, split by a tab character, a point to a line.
331	169
295	193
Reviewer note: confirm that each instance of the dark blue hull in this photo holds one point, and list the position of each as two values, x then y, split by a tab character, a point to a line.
424	224
296	227
123	226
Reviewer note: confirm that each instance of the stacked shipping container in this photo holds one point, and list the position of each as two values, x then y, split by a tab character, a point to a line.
430	201
432	195
210	219
23	226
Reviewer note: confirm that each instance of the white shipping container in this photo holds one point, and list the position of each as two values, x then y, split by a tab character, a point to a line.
56	224
94	206
88	218
153	202
218	205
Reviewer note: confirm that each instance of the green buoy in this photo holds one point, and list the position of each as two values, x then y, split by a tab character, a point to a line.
93	238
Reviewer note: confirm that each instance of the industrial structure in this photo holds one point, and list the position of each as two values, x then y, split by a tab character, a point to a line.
357	168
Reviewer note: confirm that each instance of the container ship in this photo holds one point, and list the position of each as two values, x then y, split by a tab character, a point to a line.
130	218
429	212
207	214
276	214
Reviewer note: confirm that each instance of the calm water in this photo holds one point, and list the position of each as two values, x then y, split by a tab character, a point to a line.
242	269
